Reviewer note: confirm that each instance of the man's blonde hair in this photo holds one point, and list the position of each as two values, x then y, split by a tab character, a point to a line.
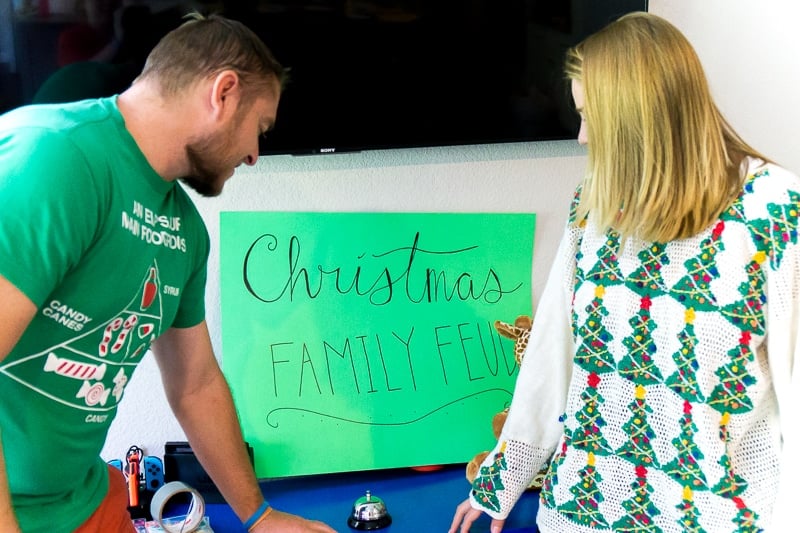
663	162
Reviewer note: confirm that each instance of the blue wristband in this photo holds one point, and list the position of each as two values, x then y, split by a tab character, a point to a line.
255	516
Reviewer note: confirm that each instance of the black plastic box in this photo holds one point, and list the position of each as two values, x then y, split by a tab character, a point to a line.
180	464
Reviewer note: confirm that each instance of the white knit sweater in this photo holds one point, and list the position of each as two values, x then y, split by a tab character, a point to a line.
659	380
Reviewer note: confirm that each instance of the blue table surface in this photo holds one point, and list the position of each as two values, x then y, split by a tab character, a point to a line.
418	502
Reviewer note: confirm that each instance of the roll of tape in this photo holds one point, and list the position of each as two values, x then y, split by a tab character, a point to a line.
194	516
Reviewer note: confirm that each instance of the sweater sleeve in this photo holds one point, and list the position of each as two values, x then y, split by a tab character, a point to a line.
783	351
782	264
533	429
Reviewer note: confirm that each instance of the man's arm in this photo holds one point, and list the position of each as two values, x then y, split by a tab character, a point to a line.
201	400
16	312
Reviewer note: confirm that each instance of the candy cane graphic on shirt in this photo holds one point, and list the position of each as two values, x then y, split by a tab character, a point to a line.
117	324
126	328
113	326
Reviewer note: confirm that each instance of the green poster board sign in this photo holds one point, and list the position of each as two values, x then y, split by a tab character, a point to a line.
358	341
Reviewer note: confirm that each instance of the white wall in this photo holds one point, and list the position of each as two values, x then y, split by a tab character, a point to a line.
750	51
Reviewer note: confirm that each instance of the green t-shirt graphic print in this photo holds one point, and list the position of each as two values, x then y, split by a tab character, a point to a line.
112	255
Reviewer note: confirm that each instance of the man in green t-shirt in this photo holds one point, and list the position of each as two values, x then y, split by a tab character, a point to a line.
103	257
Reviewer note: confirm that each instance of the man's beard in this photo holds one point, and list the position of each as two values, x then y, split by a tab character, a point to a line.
206	177
210	164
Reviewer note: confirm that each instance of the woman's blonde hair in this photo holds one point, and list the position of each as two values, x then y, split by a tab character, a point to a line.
663	162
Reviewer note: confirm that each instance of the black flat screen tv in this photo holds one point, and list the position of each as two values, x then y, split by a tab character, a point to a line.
365	75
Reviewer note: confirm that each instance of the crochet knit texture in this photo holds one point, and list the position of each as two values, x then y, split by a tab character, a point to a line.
650	384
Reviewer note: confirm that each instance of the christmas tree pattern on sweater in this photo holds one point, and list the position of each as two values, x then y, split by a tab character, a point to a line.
694	291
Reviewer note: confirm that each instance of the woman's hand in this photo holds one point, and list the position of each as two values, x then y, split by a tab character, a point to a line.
466	515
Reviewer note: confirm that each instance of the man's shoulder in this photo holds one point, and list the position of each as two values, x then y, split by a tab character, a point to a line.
63	134
41	119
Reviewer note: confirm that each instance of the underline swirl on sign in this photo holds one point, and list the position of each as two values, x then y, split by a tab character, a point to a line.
275	424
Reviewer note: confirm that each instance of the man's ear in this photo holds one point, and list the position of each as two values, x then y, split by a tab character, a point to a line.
225	94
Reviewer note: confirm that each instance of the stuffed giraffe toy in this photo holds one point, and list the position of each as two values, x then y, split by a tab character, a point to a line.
518	332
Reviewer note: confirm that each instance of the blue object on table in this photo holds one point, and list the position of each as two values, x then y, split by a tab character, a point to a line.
419	502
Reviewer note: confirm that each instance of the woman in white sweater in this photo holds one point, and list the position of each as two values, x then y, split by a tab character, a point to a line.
658	381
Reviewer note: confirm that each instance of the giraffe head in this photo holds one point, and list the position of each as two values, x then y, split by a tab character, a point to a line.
518	332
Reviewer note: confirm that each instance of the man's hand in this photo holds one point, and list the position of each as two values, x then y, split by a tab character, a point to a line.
279	522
